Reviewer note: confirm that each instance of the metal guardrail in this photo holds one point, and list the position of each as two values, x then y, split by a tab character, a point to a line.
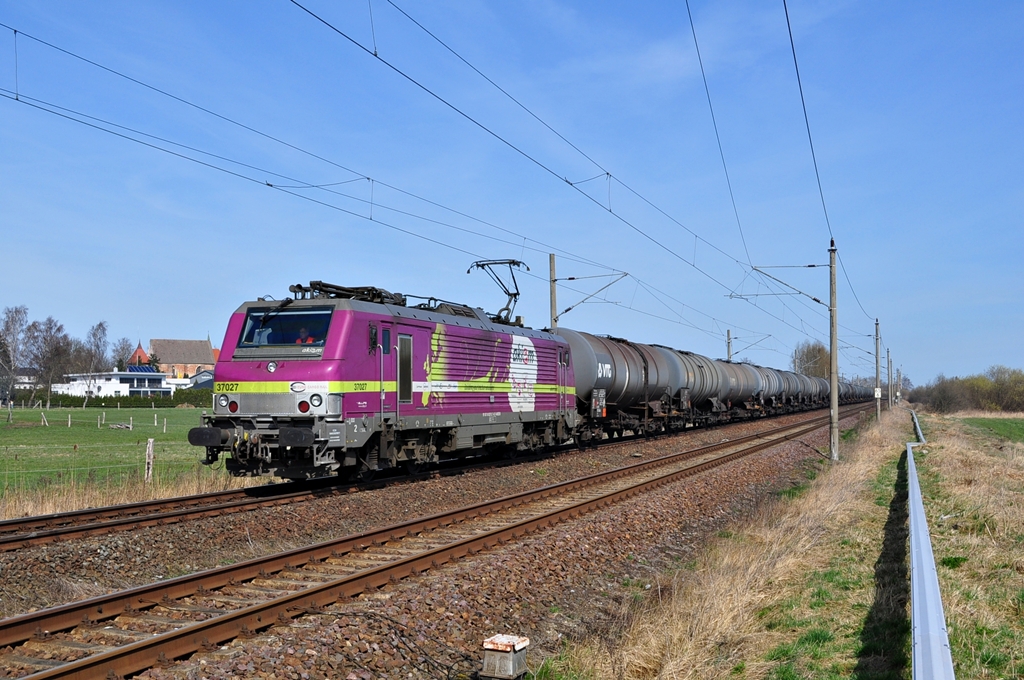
931	658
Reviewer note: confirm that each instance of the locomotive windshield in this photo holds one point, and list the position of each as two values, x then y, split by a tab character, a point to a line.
274	327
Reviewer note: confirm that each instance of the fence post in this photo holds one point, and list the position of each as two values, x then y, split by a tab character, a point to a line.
149	461
104	417
97	422
131	422
165	425
44	419
69	420
154	420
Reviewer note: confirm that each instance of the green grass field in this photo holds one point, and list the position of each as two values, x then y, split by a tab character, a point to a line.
1008	428
33	455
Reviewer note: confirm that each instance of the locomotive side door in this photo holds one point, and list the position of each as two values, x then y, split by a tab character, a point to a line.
387	369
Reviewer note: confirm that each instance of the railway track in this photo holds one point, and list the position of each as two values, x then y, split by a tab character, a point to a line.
129	631
25	532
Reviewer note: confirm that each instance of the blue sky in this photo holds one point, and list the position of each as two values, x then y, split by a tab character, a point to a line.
916	113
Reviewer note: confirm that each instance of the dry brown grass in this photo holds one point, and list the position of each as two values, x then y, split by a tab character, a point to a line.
711	625
64	498
974	413
975	505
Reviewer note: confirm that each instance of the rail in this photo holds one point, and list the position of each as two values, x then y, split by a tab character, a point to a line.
931	658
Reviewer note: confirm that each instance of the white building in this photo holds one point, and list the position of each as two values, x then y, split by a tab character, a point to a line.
136	381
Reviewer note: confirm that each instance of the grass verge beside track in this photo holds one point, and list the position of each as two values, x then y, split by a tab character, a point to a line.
817	585
973	481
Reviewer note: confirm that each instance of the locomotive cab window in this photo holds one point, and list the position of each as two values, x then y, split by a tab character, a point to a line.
276	327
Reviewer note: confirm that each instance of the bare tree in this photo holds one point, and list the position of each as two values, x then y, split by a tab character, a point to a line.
12	350
96	356
121	352
97	345
811	358
49	351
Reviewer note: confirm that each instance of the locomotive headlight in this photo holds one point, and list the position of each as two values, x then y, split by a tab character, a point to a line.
316	400
272	366
222	400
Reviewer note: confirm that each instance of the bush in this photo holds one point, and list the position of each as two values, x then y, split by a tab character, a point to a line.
998	389
193	397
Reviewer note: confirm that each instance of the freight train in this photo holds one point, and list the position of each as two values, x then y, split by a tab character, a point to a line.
348	381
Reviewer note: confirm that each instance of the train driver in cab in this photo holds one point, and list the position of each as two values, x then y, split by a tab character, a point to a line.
304	337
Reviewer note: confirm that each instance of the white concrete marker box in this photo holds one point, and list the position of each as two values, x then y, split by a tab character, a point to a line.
504	657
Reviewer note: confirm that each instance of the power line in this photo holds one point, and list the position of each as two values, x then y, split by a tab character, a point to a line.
232	121
548	169
542	122
718	137
814	159
7	95
362	176
563	138
842	266
807	120
99	123
494	134
500	88
183	101
412	195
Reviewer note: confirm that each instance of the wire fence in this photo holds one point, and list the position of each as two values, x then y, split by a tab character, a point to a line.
24	477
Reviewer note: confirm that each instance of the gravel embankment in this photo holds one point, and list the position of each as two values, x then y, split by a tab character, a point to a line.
577	577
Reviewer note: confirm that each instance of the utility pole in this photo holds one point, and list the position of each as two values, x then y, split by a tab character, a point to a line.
899	383
878	377
888	376
833	378
554	303
728	343
892	385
